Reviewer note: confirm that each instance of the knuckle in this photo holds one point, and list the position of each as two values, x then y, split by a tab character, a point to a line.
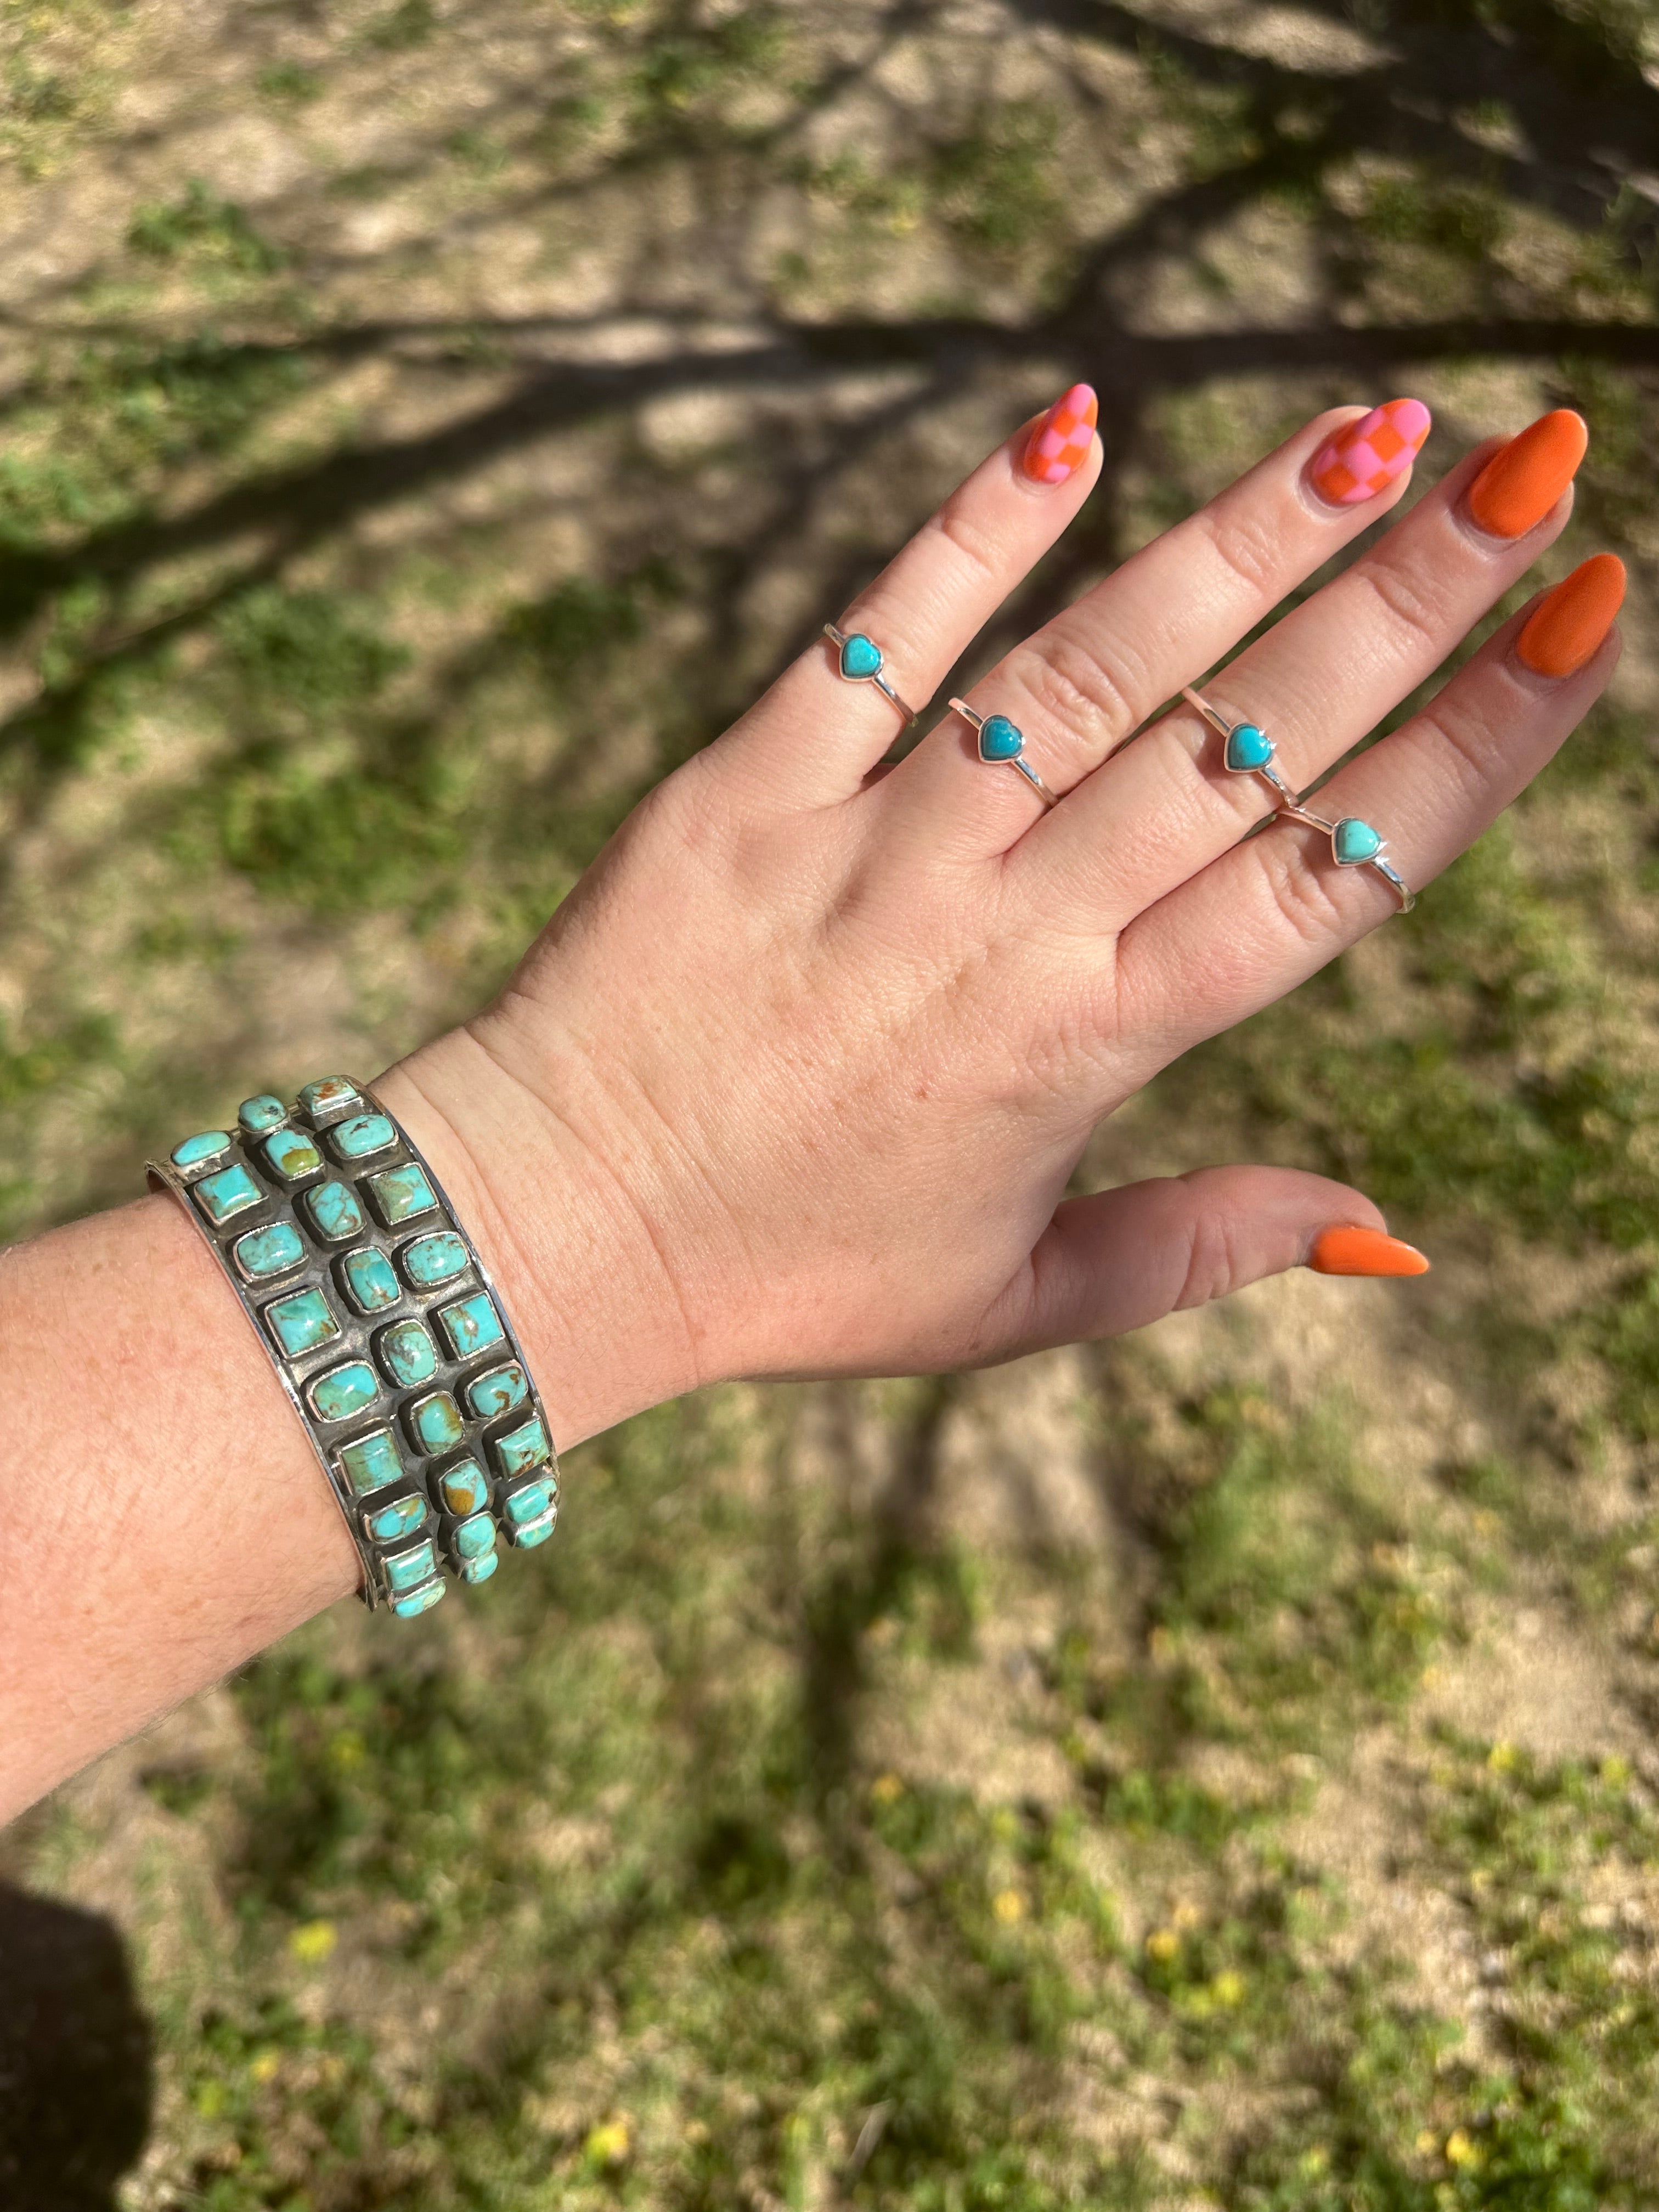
1304	894
1408	601
1068	1053
1073	684
1213	1269
972	544
1464	737
1249	549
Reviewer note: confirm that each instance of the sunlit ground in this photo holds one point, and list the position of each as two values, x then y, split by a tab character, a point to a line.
1214	1770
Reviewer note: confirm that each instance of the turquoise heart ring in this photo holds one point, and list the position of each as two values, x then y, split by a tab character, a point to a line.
1355	844
1002	744
1247	749
860	662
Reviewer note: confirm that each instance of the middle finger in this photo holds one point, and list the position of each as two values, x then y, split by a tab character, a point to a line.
1086	679
1166	807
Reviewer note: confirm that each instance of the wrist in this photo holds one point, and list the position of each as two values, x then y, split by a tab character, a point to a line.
584	1282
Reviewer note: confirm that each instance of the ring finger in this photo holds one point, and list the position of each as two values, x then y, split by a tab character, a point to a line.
1316	683
1271	911
1076	687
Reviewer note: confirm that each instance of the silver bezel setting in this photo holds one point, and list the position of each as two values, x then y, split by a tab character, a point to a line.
320	1267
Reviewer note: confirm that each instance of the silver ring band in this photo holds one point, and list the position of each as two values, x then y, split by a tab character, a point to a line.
1251	752
1002	744
1355	844
860	661
1249	749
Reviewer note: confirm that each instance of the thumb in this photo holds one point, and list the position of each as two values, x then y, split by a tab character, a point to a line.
1126	1257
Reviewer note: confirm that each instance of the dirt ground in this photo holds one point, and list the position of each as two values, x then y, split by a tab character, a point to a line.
1211	1769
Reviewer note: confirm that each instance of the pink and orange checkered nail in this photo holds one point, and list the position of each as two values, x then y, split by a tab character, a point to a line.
1367	457
1059	445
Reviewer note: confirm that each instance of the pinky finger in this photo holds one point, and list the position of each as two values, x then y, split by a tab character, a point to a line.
1275	909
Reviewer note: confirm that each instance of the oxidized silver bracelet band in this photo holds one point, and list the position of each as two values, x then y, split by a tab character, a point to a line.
384	1330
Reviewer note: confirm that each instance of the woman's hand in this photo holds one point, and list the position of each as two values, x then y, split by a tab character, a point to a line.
795	1080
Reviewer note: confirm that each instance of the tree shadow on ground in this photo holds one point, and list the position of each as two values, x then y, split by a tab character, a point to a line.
1525	104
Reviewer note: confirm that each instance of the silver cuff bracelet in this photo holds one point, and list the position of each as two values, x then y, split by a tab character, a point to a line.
385	1328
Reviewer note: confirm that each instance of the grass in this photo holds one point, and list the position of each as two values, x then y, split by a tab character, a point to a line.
1208	1772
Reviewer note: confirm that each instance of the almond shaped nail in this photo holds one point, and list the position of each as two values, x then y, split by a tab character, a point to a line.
1368	455
1061	442
1364	1252
1564	629
1519	486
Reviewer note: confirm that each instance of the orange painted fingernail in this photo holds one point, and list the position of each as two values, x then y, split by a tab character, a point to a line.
1364	1252
1060	442
1519	486
1366	458
1564	629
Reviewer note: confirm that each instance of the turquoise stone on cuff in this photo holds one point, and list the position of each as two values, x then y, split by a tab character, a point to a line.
273	1251
860	657
421	1599
1248	748
371	1462
462	1490
498	1391
344	1390
398	1194
328	1097
528	1504
221	1197
300	1324
436	1423
334	1212
1353	841
370	1284
472	1325
428	1260
536	1532
522	1449
406	1353
362	1134
402	1570
480	1569
1000	740
195	1151
474	1538
292	1155
399	1517
259	1116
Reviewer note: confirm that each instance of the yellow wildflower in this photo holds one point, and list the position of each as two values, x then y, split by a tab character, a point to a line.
314	1942
608	2144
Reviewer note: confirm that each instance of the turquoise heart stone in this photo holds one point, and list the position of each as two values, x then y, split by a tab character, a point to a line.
999	740
859	656
1353	841
1248	748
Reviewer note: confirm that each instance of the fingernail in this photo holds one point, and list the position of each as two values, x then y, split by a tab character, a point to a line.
1364	1252
1366	458
1059	445
1564	631
1519	486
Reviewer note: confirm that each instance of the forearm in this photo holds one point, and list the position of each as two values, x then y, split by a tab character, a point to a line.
166	1516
